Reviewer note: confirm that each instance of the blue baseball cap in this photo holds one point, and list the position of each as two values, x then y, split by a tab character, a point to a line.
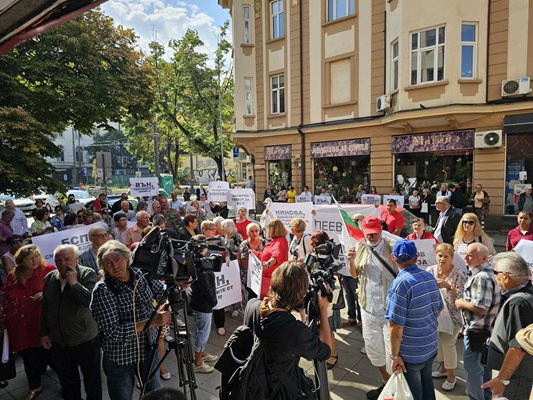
404	250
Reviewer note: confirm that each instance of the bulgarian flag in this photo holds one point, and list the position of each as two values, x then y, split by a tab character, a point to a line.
351	227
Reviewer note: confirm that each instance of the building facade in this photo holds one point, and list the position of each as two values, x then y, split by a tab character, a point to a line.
386	93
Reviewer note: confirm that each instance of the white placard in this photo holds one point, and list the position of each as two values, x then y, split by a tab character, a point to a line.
399	199
241	198
255	274
522	175
322	199
525	249
304	197
426	252
140	187
218	191
287	211
328	219
76	236
371	199
228	285
219	185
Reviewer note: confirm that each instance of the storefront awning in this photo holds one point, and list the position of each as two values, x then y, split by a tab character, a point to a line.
520	123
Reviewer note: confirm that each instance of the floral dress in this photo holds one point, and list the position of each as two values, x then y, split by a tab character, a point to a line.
244	252
456	279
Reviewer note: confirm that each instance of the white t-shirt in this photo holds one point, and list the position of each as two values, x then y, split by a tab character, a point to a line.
373	270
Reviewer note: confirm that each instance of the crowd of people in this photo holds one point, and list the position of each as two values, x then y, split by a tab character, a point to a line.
91	308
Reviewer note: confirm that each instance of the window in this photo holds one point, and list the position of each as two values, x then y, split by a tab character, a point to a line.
79	154
278	94
338	9
248	100
395	64
468	51
340	81
247	37
427	56
61	156
277	16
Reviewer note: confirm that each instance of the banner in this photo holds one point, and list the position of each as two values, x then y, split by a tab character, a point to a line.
322	199
371	199
241	198
287	211
140	187
218	191
399	199
328	219
76	236
525	249
255	274
228	284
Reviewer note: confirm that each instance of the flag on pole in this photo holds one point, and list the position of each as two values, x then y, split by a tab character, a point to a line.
350	226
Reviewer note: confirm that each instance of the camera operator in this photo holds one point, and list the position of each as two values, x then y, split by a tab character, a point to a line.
203	299
121	305
287	339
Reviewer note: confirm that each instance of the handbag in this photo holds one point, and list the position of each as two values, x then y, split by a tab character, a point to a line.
477	337
340	303
7	362
446	324
396	388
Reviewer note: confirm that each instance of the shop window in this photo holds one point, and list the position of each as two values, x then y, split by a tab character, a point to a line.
247	33
248	99
340	78
278	94
344	174
427	56
279	174
519	169
468	51
395	64
277	19
340	8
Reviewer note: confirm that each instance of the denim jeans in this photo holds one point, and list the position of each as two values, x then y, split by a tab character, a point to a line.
350	288
202	330
420	381
121	378
476	373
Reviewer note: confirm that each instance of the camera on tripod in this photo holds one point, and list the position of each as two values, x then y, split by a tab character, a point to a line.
322	264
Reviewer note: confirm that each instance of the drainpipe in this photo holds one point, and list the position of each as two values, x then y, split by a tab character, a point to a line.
487	54
302	135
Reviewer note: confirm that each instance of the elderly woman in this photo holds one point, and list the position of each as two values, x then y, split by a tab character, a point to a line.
8	258
451	283
58	220
524	230
301	243
419	230
242	221
121	326
233	242
41	225
254	244
21	313
469	231
275	253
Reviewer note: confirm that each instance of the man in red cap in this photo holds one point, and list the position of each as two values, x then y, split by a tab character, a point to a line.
374	283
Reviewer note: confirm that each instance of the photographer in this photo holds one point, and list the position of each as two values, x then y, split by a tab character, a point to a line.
121	305
203	299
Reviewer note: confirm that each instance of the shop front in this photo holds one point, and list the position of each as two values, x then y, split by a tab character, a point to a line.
426	160
278	159
341	166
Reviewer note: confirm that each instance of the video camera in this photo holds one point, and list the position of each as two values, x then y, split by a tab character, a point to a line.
322	265
169	259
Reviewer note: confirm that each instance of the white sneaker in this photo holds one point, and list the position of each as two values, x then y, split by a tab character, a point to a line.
448	386
210	358
203	369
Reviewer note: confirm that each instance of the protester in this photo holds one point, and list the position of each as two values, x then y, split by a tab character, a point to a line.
220	209
218	225
67	326
306	195
119	231
176	203
447	222
41	225
22	297
479	306
19	224
242	221
451	283
142	206
301	242
374	283
97	236
201	191
100	205
443	191
71	221
275	253
525	200
5	230
117	205
134	233
413	306
124	341
394	219
419	230
269	193
282	195
291	195
426	205
126	210
74	206
458	199
469	231
8	258
232	240
254	244
58	220
190	227
524	230
415	203
480	200
173	217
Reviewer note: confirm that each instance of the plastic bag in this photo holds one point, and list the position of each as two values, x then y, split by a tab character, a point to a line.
396	389
446	324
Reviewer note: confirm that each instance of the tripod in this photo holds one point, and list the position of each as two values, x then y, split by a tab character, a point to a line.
179	342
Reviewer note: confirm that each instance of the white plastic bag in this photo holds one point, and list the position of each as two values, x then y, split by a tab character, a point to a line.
396	389
446	324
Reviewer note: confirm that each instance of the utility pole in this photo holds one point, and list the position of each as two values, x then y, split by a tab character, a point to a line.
156	149
74	171
219	62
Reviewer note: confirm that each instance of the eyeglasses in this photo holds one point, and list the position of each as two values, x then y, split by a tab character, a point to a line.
469	222
501	272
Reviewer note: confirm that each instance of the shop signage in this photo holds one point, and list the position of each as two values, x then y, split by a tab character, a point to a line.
281	152
436	141
341	148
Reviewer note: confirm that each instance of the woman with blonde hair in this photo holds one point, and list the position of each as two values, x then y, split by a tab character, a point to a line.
275	253
469	231
451	282
301	242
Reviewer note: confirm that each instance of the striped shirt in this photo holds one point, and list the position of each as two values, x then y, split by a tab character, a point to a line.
414	302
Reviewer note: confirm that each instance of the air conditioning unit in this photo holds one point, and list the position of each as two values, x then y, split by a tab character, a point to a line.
488	139
383	103
516	87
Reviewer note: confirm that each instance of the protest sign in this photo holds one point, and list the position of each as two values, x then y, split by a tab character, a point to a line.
218	185
241	198
304	197
287	211
371	199
218	191
228	285
426	253
322	199
525	249
140	187
255	274
399	199
328	219
76	236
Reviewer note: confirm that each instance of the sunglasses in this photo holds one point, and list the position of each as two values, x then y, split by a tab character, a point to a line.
469	222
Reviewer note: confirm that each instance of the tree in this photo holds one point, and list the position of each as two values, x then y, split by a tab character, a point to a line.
113	141
82	73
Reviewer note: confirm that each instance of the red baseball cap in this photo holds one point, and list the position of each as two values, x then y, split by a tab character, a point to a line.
371	224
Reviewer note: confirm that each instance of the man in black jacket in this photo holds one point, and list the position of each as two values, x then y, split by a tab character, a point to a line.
67	326
458	199
447	221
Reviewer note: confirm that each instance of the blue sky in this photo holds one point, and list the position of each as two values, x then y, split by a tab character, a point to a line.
169	19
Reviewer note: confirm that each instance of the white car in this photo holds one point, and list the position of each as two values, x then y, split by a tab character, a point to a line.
26	205
82	196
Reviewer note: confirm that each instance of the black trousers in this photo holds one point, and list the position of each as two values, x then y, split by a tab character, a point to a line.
66	361
220	318
35	363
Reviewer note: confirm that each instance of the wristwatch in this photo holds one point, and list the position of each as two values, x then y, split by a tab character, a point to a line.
505	382
395	357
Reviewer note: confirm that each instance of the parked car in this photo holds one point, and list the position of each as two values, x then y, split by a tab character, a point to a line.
25	204
82	196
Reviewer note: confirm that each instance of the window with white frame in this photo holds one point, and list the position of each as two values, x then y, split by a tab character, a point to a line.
248	99
247	34
278	94
338	9
395	65
277	18
427	55
468	51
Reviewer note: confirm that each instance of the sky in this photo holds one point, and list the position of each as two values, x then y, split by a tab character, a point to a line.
169	19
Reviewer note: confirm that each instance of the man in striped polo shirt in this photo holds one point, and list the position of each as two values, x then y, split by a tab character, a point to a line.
413	306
